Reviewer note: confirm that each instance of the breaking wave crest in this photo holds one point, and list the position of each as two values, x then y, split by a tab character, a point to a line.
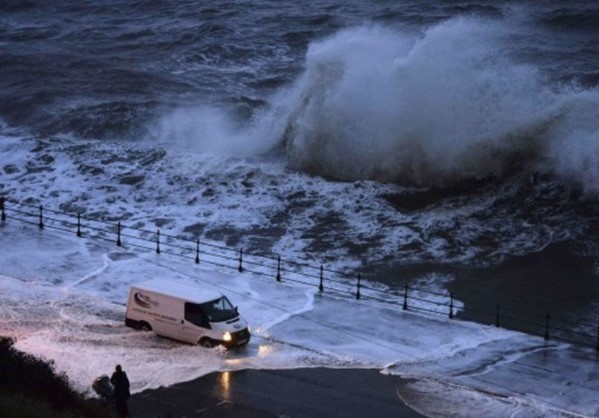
429	109
435	109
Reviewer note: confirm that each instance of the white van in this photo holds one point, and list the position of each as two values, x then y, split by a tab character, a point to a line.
186	313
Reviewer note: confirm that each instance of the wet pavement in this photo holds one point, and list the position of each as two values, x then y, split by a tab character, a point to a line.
313	392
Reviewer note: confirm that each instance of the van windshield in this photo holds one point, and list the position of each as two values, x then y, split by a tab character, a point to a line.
219	310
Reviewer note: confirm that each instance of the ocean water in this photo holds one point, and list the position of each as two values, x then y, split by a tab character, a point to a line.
451	145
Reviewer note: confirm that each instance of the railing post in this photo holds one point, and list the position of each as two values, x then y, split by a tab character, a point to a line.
198	251
158	241
78	224
597	348
41	223
240	260
278	268
451	305
497	322
405	298
546	327
2	208
320	286
358	290
118	234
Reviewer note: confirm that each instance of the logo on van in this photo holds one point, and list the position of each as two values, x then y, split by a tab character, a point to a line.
144	301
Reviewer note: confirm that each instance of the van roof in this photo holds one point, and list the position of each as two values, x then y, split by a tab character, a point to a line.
192	293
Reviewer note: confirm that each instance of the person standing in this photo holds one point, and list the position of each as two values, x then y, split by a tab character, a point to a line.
121	391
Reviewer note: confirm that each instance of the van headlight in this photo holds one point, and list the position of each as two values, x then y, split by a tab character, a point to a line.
227	336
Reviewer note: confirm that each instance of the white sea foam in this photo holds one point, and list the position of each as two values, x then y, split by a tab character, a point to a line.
72	313
303	218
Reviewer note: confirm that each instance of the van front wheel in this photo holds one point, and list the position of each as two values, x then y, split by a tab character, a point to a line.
206	342
144	326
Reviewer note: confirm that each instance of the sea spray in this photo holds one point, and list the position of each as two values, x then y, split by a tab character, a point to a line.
450	105
574	142
205	129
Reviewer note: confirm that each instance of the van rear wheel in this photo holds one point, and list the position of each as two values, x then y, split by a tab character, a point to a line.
144	326
206	342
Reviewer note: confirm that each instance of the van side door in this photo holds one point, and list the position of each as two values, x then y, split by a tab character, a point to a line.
195	323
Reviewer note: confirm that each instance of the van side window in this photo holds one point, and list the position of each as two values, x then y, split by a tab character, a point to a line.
195	314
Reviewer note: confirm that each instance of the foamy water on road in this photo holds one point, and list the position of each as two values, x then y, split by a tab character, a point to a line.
63	299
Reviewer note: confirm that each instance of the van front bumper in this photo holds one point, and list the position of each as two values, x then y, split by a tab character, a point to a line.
239	338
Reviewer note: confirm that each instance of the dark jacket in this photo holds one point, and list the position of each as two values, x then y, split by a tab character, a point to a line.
121	385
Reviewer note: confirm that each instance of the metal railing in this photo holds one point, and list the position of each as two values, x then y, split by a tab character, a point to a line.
342	283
